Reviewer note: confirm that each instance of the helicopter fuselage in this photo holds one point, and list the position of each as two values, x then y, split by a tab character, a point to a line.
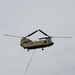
28	44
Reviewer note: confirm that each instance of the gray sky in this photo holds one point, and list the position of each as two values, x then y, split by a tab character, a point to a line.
21	17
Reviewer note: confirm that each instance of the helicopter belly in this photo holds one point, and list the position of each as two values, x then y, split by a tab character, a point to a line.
39	46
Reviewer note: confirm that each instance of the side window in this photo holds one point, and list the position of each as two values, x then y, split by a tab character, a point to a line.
45	41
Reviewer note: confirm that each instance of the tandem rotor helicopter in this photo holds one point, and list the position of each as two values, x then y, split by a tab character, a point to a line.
26	43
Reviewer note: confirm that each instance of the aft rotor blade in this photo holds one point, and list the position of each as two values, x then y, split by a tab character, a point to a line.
43	32
44	37
53	37
32	33
61	37
12	36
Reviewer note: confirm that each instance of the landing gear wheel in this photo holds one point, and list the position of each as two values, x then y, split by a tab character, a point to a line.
28	50
42	49
24	47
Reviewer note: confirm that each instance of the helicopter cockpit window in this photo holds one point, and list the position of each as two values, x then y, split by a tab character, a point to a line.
25	42
30	40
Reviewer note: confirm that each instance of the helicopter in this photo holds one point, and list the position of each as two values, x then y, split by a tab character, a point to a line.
26	43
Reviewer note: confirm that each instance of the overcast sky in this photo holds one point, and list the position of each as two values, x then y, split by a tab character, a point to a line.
21	17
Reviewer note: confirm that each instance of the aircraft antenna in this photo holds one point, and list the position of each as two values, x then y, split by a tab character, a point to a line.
29	63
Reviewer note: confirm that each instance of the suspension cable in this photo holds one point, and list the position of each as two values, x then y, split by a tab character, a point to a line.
29	63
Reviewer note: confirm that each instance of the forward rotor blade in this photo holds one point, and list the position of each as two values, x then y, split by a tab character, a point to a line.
12	36
43	32
60	37
32	33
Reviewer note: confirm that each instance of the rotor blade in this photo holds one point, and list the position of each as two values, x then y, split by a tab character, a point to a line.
32	33
43	32
60	37
44	37
12	36
53	37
